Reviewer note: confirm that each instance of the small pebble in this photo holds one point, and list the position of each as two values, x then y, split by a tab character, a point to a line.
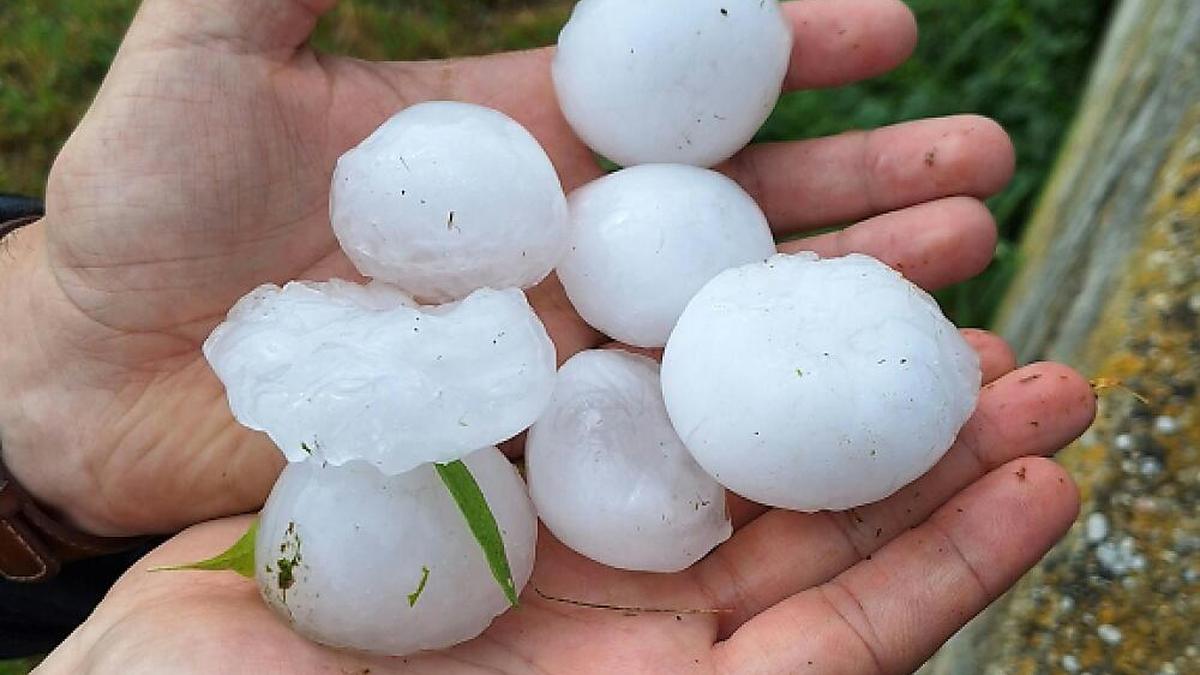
1145	505
1109	633
1150	467
1096	528
1066	604
1124	442
1070	663
1159	258
1178	275
1166	425
1185	542
1119	559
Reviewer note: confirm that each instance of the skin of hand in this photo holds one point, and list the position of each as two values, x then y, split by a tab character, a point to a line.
202	170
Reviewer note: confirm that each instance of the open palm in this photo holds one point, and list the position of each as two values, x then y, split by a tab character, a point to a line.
202	171
872	590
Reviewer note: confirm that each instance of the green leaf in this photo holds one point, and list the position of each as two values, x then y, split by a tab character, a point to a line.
416	595
239	558
475	509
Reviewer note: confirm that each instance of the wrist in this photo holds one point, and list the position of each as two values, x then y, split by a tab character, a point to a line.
27	382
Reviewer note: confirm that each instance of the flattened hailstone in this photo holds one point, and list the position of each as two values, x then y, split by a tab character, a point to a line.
445	198
814	384
344	372
645	239
341	550
680	81
609	475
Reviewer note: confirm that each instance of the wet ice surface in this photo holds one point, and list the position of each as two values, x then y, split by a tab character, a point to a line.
341	550
609	475
817	384
342	372
445	198
683	81
645	239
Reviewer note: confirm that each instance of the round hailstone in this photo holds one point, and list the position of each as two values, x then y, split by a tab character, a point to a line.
445	198
343	372
609	475
645	239
356	559
682	81
814	384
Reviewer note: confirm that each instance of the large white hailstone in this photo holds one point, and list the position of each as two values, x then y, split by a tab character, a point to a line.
609	475
645	239
445	198
681	81
814	384
343	372
355	559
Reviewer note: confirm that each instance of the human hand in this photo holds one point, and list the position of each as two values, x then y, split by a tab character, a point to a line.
202	171
875	589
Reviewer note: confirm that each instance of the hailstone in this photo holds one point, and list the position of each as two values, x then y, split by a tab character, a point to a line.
342	372
445	198
680	81
814	384
609	475
356	559
645	239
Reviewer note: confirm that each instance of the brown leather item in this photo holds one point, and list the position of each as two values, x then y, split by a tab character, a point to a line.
34	546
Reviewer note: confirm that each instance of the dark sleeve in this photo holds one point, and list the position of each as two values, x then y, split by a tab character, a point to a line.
34	618
13	207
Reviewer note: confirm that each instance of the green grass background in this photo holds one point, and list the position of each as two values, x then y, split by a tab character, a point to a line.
1022	62
18	667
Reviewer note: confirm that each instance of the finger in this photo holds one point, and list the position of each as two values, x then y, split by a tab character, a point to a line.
828	181
996	356
888	614
268	27
1032	411
934	245
835	42
842	41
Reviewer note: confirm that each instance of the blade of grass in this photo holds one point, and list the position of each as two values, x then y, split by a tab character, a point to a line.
478	514
238	558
